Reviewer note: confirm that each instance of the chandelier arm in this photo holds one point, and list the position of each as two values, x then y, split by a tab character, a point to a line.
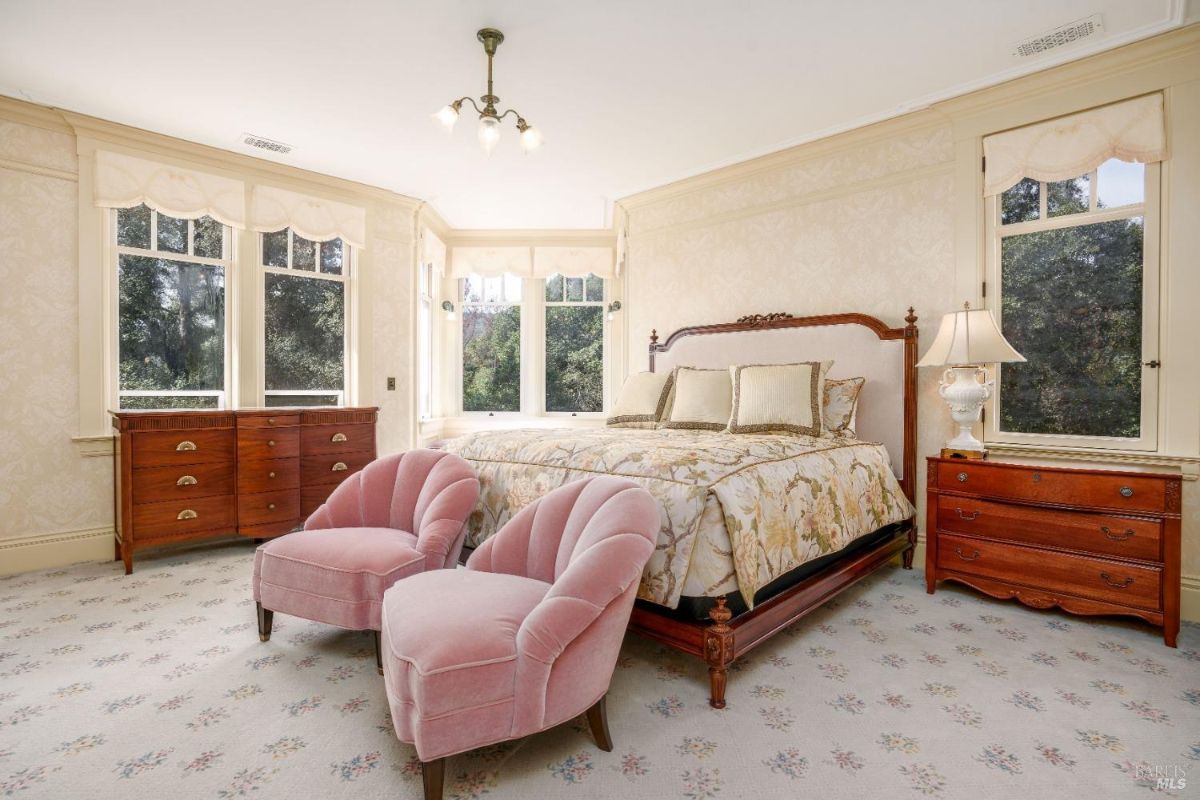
520	119
474	105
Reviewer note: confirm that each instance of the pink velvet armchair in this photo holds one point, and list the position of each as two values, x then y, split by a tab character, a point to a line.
527	636
401	515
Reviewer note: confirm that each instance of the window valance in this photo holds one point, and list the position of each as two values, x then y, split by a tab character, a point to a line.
491	261
1064	148
574	262
124	181
314	218
533	262
433	251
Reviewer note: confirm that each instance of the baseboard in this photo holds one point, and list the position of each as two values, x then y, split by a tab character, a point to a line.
49	550
1189	595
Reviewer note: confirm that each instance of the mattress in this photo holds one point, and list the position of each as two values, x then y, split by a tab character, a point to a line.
737	511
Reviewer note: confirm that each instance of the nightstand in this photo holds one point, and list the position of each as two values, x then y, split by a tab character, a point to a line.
1089	541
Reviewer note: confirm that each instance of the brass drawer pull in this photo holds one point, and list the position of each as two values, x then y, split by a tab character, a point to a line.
185	445
338	437
186	480
1126	491
968	517
339	467
270	420
958	552
270	474
962	477
1117	537
270	506
1108	579
270	442
187	513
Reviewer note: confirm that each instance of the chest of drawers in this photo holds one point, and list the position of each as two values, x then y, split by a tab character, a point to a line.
1088	541
186	475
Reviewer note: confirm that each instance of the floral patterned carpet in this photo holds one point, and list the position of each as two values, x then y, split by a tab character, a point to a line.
155	685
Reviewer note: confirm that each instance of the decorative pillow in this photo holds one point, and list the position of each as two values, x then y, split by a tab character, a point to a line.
702	399
642	400
778	397
840	409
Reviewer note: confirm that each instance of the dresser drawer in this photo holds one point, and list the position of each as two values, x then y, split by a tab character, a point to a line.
259	509
1120	492
268	475
321	439
331	468
179	517
256	443
269	530
155	484
167	448
1094	578
1104	534
313	497
267	420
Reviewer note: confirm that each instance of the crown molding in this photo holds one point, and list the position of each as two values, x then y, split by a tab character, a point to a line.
28	113
114	133
529	238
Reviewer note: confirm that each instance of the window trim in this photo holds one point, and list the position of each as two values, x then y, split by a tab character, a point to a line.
112	252
348	279
1153	303
540	383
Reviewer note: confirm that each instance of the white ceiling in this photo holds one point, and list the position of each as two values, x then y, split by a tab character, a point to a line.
631	94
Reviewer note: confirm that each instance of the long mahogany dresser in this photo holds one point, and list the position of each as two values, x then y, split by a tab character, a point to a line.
184	475
1090	541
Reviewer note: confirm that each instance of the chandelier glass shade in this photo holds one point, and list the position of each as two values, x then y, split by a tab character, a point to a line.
490	118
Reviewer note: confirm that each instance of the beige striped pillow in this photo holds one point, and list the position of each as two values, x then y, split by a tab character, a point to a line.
778	397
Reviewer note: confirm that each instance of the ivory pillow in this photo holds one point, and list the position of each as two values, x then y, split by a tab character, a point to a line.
778	397
642	400
702	399
839	412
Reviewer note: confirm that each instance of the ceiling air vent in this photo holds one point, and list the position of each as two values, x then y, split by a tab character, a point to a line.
266	144
1062	35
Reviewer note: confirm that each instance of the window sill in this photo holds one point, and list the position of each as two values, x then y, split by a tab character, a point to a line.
1187	466
94	446
449	427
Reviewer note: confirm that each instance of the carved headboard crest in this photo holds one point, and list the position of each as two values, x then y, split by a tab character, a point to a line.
763	319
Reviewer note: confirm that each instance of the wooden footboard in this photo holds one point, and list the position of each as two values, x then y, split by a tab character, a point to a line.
726	638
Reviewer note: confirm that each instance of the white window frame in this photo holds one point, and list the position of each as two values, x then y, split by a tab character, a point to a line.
426	301
348	279
533	356
112	259
540	381
1152	301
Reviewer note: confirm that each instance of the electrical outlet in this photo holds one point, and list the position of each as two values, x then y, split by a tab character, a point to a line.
391	384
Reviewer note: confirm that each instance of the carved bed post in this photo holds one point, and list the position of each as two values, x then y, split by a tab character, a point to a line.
909	483
653	346
718	651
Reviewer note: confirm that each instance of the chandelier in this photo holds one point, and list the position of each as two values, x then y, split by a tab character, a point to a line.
489	117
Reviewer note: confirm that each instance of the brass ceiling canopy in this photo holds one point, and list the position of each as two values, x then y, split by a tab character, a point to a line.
489	116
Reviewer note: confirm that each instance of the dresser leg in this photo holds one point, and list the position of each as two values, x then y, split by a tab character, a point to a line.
930	581
127	557
1171	631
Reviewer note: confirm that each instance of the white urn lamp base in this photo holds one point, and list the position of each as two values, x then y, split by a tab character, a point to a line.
963	391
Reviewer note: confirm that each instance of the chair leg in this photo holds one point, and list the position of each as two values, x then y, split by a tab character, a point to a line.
597	717
266	618
378	652
433	775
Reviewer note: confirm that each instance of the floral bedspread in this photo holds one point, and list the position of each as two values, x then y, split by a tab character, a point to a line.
785	499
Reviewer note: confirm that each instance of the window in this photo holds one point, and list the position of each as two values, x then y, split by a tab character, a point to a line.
1075	262
425	300
553	355
491	343
172	327
304	323
574	342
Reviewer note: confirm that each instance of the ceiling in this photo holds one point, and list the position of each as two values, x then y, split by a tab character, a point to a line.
630	94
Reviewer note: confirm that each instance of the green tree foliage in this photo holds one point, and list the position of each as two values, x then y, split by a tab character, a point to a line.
492	358
305	333
574	358
1072	305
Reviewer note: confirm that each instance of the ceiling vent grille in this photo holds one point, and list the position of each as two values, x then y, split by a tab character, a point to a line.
1060	36
266	144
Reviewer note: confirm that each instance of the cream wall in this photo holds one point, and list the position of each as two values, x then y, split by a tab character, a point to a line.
889	216
56	468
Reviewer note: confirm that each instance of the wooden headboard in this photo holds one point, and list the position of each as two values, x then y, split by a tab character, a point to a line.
859	344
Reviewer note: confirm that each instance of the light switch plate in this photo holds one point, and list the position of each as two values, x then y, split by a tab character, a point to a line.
391	384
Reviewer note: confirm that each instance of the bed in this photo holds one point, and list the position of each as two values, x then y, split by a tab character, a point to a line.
757	529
